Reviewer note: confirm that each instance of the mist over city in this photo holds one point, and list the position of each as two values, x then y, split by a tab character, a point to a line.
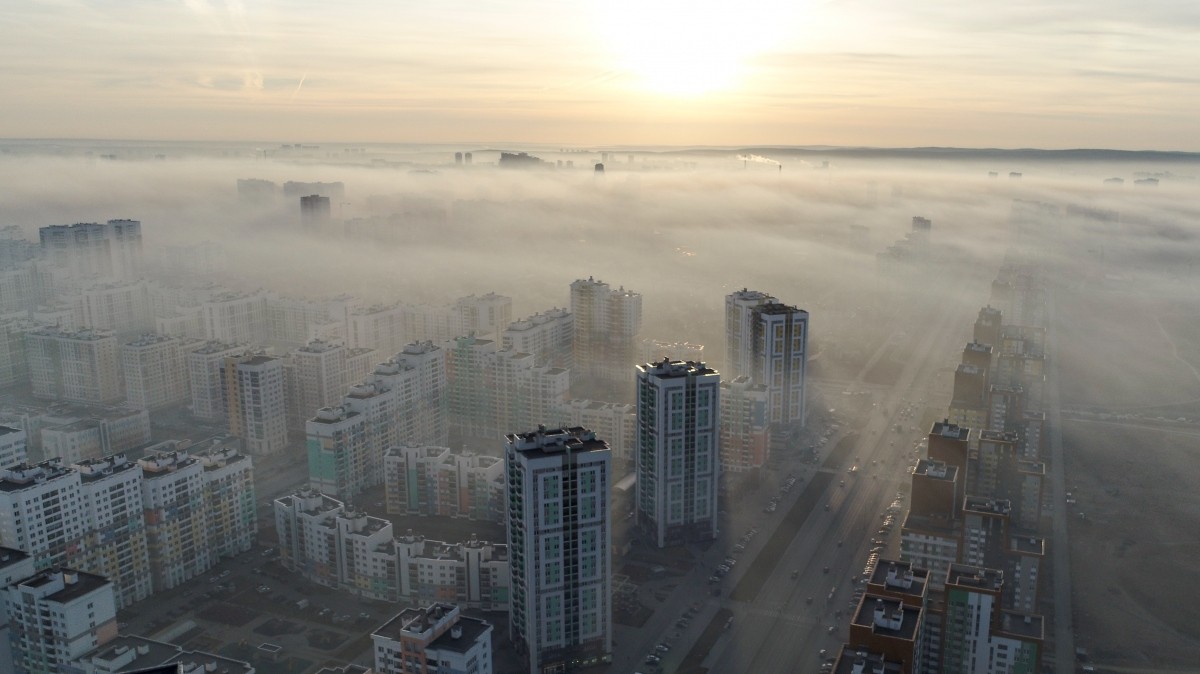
599	337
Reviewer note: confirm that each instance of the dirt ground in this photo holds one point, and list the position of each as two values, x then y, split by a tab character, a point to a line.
1135	528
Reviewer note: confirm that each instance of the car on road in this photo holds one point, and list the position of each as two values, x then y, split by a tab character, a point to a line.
825	570
808	601
662	648
652	659
795	574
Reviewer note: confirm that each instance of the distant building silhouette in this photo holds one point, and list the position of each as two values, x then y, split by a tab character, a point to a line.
314	212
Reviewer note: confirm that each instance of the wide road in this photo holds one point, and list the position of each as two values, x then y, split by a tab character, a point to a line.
1064	638
780	631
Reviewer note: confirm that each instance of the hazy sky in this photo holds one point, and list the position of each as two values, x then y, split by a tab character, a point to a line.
1044	73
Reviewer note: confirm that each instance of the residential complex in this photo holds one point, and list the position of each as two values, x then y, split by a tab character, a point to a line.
426	480
74	365
549	336
86	250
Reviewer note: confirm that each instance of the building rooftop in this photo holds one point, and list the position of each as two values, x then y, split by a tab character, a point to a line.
1031	467
1028	545
1025	625
778	309
82	334
554	442
11	556
1007	437
162	463
976	577
669	369
70	584
936	470
745	294
978	348
213	346
257	359
94	470
946	429
888	617
860	660
987	506
332	415
413	622
900	578
25	476
462	636
150	339
130	653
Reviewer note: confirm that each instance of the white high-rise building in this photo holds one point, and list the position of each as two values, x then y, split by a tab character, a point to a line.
607	325
206	365
74	434
176	519
486	314
41	512
12	446
560	543
15	566
14	366
256	403
339	548
418	372
739	330
491	390
236	317
337	448
110	250
417	637
156	372
615	422
57	616
376	327
677	455
228	497
780	360
76	366
319	373
549	336
768	341
120	307
114	543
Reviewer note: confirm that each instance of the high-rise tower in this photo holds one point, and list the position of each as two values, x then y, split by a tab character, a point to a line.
678	435
559	541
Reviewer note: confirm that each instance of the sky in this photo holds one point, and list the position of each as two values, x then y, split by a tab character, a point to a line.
1046	73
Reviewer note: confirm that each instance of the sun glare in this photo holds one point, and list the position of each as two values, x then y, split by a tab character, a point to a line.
689	48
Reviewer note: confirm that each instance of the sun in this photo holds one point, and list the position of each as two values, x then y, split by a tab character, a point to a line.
688	48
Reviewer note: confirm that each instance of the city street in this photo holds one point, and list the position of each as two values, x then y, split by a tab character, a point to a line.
789	620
